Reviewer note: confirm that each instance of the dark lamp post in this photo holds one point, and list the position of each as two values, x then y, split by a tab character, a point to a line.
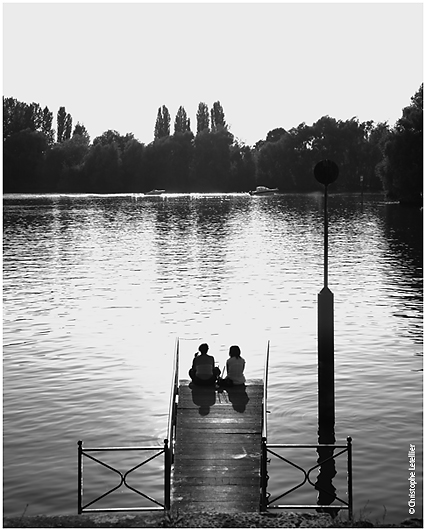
326	172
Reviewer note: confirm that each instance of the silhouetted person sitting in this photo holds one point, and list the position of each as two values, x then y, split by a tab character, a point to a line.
234	368
203	371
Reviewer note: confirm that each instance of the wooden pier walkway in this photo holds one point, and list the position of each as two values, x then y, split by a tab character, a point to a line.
218	448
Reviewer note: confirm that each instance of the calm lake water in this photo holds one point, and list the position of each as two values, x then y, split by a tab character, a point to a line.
98	288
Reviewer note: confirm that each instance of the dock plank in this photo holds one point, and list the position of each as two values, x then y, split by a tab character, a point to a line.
218	448
217	492
205	470
225	506
220	438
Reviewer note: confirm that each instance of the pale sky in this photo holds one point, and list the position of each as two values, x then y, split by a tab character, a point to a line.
269	64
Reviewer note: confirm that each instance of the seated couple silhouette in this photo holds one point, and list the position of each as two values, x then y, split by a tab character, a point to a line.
204	371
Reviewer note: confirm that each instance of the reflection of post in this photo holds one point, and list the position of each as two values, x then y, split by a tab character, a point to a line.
324	483
326	172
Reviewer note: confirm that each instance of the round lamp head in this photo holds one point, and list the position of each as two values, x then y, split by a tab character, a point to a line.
326	172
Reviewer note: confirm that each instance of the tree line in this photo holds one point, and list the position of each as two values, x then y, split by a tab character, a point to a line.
37	158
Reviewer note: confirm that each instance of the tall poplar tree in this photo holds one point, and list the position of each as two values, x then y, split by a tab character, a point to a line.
217	116
166	121
68	127
46	125
182	123
158	129
60	124
202	118
162	124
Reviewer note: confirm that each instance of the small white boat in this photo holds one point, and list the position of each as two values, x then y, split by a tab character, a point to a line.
264	190
156	192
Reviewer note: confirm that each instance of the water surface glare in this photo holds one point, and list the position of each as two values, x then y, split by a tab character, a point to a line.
97	288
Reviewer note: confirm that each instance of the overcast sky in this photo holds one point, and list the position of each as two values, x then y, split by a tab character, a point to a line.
270	65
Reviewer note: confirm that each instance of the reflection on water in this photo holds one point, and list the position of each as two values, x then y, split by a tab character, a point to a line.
97	288
324	483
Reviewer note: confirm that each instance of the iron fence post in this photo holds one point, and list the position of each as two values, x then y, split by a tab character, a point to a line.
167	474
80	477
350	499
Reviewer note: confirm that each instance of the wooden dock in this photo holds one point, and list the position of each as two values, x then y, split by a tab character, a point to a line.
218	448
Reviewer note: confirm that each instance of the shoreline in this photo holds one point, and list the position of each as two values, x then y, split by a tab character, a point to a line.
160	519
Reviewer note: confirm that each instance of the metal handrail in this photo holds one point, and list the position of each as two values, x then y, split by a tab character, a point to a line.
265	395
169	443
264	459
173	395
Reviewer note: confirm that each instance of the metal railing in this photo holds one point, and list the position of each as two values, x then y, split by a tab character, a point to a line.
264	461
265	501
86	452
167	450
171	428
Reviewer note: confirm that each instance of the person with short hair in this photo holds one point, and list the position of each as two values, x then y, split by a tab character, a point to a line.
203	370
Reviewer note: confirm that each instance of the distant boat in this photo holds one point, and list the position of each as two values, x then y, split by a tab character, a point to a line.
264	190
156	192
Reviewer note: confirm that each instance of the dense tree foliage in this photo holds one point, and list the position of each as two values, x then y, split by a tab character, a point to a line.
242	168
211	161
79	129
64	166
401	168
275	134
287	159
23	161
18	116
370	155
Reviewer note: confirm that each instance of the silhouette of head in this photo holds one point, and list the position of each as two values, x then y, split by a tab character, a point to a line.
238	397
203	348
204	397
234	351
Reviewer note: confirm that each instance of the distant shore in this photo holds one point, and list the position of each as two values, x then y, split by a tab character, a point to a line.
198	520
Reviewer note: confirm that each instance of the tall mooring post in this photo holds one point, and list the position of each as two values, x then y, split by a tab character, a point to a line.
326	172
